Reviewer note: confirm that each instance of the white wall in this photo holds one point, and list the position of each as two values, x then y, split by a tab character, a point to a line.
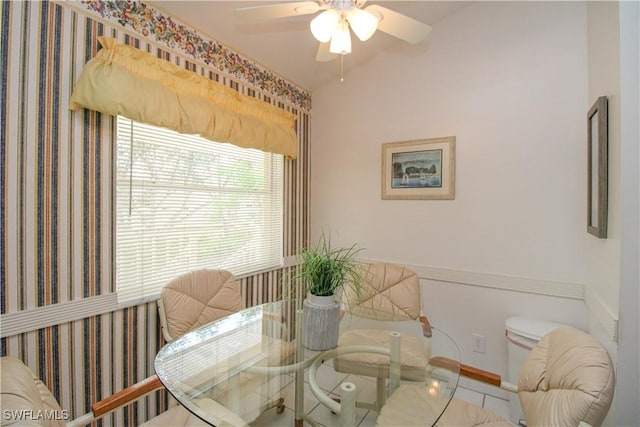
509	80
603	268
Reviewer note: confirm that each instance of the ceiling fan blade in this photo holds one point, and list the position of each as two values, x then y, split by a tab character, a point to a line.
399	25
281	10
323	54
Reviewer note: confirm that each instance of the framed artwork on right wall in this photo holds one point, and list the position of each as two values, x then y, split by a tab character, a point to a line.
597	171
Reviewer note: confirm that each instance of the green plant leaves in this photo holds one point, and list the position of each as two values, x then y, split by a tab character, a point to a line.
327	270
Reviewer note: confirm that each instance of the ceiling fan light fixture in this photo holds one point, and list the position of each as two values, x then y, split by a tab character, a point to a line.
324	25
341	40
362	23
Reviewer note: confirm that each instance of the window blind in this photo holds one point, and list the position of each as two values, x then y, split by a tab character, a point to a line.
185	203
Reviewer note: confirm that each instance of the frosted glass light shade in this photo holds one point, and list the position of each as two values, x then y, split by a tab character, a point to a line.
363	23
324	25
341	40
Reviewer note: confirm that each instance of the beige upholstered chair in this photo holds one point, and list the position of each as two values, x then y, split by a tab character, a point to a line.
389	301
199	297
567	380
24	395
196	298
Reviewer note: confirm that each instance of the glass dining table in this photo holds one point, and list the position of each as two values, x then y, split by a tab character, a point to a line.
231	370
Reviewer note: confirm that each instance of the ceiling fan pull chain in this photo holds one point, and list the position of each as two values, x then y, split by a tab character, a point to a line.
341	68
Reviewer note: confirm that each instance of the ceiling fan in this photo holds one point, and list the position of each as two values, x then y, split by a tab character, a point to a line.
331	27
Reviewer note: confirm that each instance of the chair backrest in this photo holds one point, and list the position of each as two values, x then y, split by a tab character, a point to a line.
197	298
21	390
567	378
386	288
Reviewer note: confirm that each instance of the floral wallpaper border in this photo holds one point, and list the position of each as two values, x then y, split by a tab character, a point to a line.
149	22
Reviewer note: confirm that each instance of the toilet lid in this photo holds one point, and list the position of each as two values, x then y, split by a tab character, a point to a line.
531	328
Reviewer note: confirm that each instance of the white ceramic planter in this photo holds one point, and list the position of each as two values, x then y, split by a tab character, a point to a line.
321	322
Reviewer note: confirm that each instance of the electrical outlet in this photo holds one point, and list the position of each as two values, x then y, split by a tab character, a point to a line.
478	343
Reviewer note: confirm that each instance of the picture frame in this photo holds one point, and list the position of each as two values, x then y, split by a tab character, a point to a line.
419	169
597	168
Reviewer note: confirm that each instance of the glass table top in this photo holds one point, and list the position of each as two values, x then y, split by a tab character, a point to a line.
231	370
239	362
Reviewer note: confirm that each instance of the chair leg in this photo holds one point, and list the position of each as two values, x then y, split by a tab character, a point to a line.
233	396
380	397
380	393
348	394
278	404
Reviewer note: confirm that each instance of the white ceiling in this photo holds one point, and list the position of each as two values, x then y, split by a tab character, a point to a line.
286	45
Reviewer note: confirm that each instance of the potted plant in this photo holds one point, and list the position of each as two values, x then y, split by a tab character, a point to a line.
325	271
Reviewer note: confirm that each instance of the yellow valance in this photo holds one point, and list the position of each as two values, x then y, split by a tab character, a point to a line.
122	80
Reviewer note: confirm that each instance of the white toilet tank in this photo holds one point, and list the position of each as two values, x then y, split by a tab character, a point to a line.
522	335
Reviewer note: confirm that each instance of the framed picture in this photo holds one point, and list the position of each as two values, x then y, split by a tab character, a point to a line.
422	169
597	154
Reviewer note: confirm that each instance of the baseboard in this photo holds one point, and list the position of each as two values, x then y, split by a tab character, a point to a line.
478	387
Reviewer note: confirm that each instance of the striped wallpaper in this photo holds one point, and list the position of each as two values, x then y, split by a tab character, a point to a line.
57	204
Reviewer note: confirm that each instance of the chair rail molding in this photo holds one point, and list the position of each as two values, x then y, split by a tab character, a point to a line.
601	313
56	314
576	291
19	322
504	282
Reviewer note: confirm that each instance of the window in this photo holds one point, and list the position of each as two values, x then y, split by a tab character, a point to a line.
185	203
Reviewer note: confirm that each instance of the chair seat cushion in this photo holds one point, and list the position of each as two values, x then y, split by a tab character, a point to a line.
414	359
178	416
245	391
411	405
461	413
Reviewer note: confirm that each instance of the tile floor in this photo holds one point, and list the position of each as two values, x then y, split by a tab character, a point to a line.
329	381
